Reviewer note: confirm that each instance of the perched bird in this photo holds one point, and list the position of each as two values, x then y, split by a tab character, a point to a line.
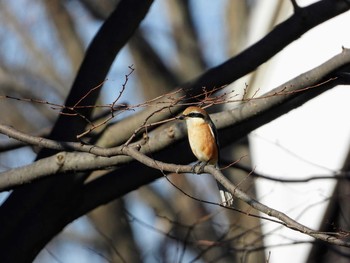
203	139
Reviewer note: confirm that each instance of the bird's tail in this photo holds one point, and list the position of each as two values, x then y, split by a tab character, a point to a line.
225	196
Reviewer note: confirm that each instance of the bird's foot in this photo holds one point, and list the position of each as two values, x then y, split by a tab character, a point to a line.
200	168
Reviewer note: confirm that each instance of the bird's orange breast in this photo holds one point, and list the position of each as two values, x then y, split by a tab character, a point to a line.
203	143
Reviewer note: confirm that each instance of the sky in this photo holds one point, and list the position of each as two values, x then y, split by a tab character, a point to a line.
311	140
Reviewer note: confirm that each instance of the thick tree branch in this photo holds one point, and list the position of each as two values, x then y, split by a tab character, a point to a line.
57	145
100	55
51	200
65	202
167	167
288	222
232	124
288	96
117	184
238	66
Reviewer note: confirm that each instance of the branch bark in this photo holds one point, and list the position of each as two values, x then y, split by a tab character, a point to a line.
232	125
46	210
30	226
238	66
116	183
284	219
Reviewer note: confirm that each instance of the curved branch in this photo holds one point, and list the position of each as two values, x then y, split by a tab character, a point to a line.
47	209
281	36
288	222
70	197
57	145
117	184
98	59
290	95
333	175
232	125
64	164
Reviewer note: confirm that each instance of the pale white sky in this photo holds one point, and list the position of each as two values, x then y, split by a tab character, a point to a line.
317	132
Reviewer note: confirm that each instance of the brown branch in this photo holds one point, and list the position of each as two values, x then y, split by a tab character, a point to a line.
228	119
63	190
66	31
72	111
336	175
288	222
64	164
96	64
70	201
43	63
240	65
57	145
189	52
256	112
112	106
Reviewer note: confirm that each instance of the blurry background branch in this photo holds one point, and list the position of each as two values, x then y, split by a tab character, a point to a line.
280	100
43	50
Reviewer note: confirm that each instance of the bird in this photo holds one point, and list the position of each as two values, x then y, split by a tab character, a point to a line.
204	143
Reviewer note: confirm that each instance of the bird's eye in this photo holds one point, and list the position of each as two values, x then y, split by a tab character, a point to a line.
195	115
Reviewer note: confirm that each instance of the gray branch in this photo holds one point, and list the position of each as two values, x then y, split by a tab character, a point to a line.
89	157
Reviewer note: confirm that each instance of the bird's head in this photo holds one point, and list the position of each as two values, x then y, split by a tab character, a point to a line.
194	113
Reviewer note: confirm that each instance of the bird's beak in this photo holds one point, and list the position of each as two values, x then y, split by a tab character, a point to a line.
181	117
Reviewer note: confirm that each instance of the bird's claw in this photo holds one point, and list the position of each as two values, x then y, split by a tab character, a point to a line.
200	168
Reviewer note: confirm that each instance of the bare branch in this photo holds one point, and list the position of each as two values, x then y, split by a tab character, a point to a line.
43	63
252	114
288	222
63	164
56	202
159	139
57	145
242	64
67	32
336	175
97	62
296	7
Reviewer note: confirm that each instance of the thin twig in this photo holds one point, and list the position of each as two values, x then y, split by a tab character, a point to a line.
61	161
